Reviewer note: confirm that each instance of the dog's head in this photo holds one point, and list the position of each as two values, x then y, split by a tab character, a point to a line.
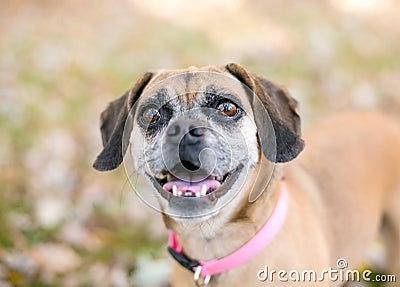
195	134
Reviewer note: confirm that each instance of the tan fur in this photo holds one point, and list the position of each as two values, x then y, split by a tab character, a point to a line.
340	187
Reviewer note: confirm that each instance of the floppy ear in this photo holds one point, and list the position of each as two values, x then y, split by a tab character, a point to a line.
281	108
112	125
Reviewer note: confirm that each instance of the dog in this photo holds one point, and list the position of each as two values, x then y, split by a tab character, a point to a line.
247	198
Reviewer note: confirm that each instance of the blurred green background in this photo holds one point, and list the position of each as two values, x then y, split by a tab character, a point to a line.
61	62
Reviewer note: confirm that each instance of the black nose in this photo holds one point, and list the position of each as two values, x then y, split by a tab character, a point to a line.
186	130
189	135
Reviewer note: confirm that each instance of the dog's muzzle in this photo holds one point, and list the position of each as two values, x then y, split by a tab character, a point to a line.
189	160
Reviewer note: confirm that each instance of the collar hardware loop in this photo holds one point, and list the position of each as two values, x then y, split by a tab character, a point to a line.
196	277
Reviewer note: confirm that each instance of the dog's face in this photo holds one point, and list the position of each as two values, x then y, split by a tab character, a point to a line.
196	134
193	137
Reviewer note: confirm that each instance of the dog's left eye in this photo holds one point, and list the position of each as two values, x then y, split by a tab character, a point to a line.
228	108
151	115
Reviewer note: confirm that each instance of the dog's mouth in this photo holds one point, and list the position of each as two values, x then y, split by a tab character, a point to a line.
208	187
182	188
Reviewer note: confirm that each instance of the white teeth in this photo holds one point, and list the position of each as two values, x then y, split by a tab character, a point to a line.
174	190
177	192
203	190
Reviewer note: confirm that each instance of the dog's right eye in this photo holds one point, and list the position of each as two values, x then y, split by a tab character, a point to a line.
151	115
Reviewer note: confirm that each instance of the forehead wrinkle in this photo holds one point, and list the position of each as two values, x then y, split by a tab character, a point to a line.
191	90
190	100
188	77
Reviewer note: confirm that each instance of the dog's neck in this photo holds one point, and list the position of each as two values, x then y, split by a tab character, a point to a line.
208	240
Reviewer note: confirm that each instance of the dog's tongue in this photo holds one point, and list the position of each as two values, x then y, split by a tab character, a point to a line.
208	184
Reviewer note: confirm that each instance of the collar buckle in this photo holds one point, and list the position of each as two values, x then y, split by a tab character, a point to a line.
199	280
183	260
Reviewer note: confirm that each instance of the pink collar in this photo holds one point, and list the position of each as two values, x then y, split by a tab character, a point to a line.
260	240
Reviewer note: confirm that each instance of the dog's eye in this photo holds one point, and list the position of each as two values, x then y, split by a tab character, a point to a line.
228	108
151	115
